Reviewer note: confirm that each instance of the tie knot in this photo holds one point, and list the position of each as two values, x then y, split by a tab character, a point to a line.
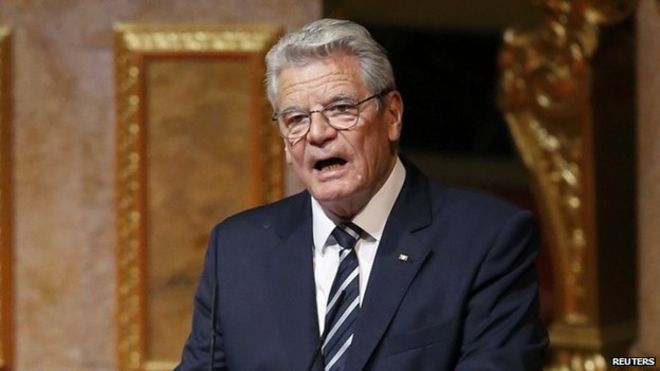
347	234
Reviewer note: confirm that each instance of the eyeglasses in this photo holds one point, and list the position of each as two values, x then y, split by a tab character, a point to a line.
341	115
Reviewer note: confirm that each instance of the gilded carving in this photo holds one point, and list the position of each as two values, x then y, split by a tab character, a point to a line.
545	84
6	328
135	47
545	94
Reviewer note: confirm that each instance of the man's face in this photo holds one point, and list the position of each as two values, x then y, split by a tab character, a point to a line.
342	169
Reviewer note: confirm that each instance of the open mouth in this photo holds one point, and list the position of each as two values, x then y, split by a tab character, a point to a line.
328	164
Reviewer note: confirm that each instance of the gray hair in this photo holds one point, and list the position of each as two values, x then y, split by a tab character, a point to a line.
322	39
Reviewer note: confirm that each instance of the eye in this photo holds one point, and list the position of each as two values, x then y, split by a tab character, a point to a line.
294	119
340	108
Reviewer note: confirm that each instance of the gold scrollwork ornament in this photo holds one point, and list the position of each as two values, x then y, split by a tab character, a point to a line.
545	95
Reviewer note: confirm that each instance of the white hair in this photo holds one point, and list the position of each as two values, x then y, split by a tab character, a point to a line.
325	38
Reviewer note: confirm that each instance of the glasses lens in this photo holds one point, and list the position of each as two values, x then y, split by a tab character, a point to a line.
293	124
342	116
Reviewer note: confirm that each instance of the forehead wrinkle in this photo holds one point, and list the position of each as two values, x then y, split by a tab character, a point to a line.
316	83
319	82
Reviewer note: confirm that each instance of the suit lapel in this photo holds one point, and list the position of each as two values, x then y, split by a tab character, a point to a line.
291	279
392	272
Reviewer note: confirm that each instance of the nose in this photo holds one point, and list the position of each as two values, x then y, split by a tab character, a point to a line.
320	130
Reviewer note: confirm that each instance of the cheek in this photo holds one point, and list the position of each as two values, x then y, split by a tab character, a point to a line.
287	155
368	158
292	152
377	150
294	156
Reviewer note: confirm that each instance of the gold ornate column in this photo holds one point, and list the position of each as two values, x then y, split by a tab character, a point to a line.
6	285
547	96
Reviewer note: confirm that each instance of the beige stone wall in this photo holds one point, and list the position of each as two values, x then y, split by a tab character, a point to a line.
648	73
64	164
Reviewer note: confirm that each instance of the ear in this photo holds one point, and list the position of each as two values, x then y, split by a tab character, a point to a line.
394	112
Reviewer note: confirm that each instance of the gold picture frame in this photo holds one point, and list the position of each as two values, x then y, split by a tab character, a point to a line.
188	98
6	274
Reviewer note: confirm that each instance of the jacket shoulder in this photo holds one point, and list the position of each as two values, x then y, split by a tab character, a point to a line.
266	216
475	208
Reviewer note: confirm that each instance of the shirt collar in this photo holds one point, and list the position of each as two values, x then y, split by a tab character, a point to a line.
371	218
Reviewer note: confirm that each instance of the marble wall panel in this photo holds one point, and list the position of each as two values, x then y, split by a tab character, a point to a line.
184	196
648	77
64	164
6	212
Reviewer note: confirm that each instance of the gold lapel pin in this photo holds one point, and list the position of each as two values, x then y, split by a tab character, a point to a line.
403	257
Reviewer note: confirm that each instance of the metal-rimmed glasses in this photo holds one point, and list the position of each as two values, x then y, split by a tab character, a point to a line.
342	114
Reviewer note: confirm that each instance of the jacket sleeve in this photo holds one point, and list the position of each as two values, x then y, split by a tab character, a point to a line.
197	350
502	327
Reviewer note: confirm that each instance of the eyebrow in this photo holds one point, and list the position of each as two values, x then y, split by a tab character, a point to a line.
339	97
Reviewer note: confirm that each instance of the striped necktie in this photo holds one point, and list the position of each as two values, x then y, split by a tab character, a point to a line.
343	301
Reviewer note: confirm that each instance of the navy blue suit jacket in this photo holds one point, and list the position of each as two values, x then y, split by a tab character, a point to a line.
466	299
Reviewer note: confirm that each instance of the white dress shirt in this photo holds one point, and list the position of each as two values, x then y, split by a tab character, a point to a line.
371	219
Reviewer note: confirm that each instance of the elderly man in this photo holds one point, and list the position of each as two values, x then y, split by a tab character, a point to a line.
373	266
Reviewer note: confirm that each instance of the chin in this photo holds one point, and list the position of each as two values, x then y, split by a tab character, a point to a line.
322	195
327	193
334	199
